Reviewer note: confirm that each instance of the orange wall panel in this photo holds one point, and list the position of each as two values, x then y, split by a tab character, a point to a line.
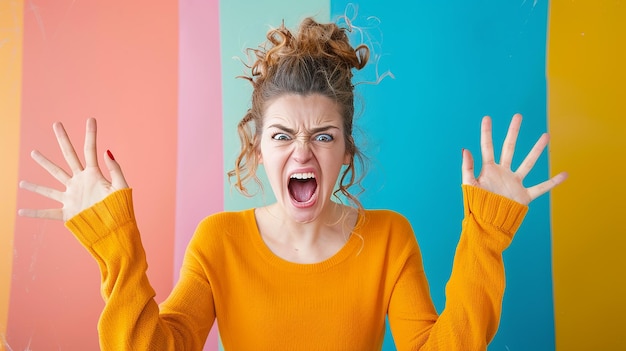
11	14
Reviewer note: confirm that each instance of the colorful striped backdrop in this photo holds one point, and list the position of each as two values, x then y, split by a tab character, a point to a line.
160	78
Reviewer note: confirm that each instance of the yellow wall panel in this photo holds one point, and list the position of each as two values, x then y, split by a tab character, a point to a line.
586	95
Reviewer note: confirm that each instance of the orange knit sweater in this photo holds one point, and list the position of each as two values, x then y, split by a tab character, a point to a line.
262	302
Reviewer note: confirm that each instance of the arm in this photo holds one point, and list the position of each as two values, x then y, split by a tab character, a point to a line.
495	204
101	216
131	318
475	289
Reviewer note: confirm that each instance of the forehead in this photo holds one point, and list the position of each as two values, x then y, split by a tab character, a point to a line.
303	110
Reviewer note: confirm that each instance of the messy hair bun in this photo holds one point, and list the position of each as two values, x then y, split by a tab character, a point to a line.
313	39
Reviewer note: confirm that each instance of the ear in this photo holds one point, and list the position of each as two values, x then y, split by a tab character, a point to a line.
259	155
347	158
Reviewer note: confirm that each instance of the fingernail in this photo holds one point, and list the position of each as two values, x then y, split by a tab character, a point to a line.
110	155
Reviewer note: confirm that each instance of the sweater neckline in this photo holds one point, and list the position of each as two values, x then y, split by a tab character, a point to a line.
350	248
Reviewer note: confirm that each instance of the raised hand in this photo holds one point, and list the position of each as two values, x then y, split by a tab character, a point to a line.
84	187
499	178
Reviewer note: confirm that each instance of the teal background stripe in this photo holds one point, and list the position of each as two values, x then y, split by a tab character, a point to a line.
244	24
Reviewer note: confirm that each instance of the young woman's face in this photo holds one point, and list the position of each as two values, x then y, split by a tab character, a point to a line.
302	149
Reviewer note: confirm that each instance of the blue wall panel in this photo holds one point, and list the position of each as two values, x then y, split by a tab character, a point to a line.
453	62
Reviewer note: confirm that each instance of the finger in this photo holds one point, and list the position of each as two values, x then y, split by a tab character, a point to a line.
56	214
66	147
467	168
486	140
91	155
542	188
42	190
57	172
532	157
117	177
508	147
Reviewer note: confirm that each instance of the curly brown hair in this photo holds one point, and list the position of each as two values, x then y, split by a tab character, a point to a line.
317	59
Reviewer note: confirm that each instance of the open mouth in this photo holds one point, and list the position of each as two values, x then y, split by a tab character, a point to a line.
302	186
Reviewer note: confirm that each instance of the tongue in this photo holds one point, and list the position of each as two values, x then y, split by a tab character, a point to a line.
302	190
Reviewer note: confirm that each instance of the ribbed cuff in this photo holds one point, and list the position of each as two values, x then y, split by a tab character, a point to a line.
496	210
103	218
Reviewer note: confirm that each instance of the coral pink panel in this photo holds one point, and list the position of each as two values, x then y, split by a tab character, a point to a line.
117	61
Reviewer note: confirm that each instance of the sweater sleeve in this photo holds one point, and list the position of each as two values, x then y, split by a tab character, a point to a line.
475	289
131	318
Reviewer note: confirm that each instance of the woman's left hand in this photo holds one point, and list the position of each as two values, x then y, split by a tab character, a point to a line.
499	178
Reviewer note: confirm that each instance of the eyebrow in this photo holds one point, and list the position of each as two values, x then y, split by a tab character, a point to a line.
292	131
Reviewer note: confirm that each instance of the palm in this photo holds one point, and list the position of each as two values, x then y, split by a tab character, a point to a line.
499	178
84	187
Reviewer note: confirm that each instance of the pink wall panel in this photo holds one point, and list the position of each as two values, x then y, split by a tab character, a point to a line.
116	61
201	175
200	172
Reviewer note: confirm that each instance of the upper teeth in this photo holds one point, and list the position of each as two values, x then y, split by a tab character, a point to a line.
307	175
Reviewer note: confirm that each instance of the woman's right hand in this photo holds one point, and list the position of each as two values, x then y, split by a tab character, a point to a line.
84	187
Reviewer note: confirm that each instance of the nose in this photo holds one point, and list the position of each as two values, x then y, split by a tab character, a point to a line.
302	152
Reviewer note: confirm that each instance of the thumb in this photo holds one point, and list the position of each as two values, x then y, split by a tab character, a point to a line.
467	168
117	177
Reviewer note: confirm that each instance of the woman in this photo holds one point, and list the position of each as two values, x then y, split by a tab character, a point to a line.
307	272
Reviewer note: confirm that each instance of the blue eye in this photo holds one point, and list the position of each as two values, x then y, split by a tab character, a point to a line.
281	136
324	138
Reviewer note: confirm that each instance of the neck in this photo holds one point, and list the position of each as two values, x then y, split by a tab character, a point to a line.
306	242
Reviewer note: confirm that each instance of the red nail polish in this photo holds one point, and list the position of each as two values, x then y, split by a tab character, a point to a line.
110	155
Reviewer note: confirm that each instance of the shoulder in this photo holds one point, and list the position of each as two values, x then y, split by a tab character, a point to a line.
388	235
228	218
220	225
386	218
222	232
387	225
